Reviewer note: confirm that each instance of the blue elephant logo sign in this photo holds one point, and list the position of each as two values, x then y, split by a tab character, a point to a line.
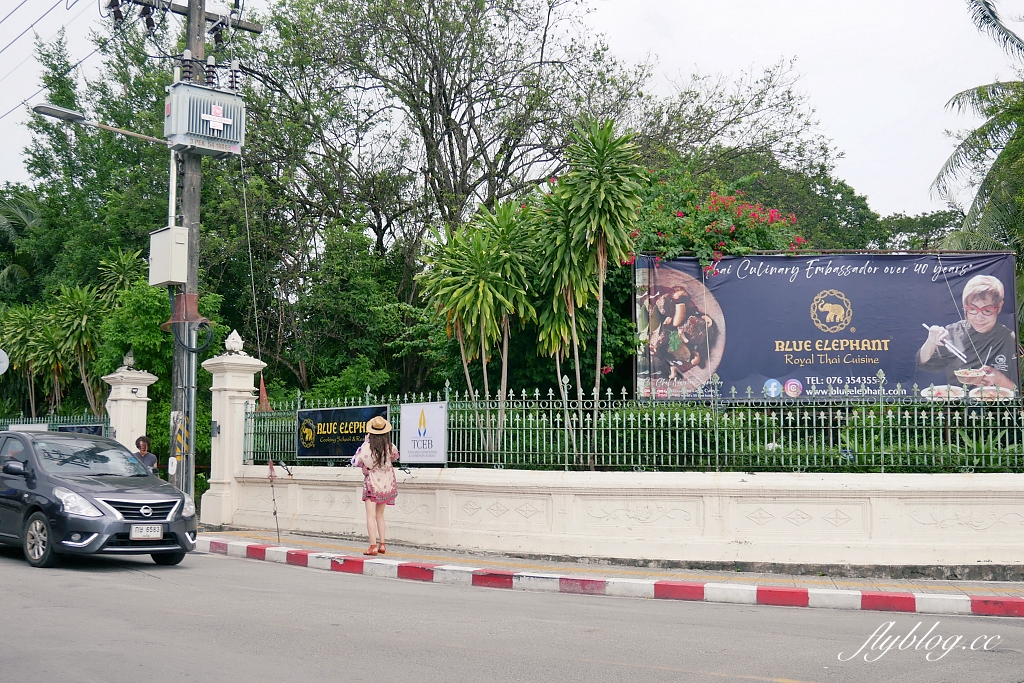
831	311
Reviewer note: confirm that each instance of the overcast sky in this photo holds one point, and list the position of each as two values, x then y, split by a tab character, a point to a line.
879	72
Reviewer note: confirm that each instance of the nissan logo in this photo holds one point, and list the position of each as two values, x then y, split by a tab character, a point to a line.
146	511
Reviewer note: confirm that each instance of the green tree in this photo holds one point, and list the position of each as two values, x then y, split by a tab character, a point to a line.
50	355
923	231
18	215
567	280
991	156
20	324
119	271
605	184
78	314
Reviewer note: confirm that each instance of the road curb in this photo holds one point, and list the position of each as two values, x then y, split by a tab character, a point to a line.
889	601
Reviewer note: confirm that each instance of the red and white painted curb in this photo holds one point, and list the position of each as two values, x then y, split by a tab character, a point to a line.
989	605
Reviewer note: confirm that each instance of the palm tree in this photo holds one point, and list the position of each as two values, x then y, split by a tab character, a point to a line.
120	271
512	260
992	155
49	351
461	283
20	325
478	281
78	315
605	185
566	272
17	216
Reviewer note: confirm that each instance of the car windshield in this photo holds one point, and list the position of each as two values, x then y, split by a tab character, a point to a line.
89	458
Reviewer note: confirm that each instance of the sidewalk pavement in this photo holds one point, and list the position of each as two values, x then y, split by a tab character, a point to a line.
595	570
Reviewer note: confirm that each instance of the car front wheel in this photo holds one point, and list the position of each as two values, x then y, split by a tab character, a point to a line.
167	559
37	542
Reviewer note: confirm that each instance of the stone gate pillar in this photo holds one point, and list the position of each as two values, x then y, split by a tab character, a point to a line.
233	386
127	406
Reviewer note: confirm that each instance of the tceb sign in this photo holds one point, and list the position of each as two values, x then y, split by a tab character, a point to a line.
424	430
817	327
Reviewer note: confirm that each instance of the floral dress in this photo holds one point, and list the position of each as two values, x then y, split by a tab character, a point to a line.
379	483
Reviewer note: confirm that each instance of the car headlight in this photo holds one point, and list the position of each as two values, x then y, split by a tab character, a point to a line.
74	504
189	509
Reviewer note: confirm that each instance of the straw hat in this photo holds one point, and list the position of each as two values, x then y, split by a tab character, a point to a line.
378	425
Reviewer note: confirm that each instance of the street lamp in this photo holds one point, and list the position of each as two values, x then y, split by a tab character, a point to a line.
81	119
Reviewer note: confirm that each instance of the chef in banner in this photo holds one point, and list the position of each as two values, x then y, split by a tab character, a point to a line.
978	349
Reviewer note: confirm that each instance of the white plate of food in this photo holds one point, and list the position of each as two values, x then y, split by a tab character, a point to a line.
943	392
992	393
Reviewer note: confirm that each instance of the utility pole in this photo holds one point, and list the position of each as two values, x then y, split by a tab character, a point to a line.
182	132
183	376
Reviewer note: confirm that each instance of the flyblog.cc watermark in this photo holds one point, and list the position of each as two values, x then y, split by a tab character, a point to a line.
931	643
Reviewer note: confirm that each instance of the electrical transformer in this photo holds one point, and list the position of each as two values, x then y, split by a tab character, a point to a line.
204	120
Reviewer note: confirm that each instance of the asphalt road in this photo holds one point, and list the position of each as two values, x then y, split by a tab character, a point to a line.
215	618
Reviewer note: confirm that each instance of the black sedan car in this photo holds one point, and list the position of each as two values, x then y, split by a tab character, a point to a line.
76	494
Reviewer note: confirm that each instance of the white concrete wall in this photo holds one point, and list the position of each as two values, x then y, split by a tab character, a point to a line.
768	517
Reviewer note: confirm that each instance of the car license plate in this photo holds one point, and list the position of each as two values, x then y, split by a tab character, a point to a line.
146	532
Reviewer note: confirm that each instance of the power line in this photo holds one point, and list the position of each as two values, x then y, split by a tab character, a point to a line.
12	11
33	24
31	55
70	70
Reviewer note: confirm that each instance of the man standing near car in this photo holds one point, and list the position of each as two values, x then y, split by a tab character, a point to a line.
143	454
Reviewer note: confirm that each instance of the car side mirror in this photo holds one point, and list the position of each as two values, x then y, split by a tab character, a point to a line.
15	468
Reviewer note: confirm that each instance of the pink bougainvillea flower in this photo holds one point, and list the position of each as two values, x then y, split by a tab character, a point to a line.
679	214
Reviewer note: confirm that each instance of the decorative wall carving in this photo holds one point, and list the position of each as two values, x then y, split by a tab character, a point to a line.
973	519
837	517
410	504
797	517
760	516
810	516
527	510
495	510
667	513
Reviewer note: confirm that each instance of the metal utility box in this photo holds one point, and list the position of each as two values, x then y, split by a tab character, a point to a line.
168	256
204	120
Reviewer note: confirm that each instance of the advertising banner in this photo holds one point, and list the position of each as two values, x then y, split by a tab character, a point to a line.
821	327
334	432
93	430
424	433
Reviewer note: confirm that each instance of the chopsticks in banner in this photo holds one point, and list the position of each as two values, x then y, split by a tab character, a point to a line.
952	349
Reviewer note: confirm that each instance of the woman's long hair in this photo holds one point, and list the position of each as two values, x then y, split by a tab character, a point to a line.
380	448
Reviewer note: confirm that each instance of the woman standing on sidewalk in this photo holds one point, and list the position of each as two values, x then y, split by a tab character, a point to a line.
380	487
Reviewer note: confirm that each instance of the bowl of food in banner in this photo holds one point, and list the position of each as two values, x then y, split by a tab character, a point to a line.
970	376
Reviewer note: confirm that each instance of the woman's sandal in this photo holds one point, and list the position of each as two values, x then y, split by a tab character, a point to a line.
381	548
372	550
